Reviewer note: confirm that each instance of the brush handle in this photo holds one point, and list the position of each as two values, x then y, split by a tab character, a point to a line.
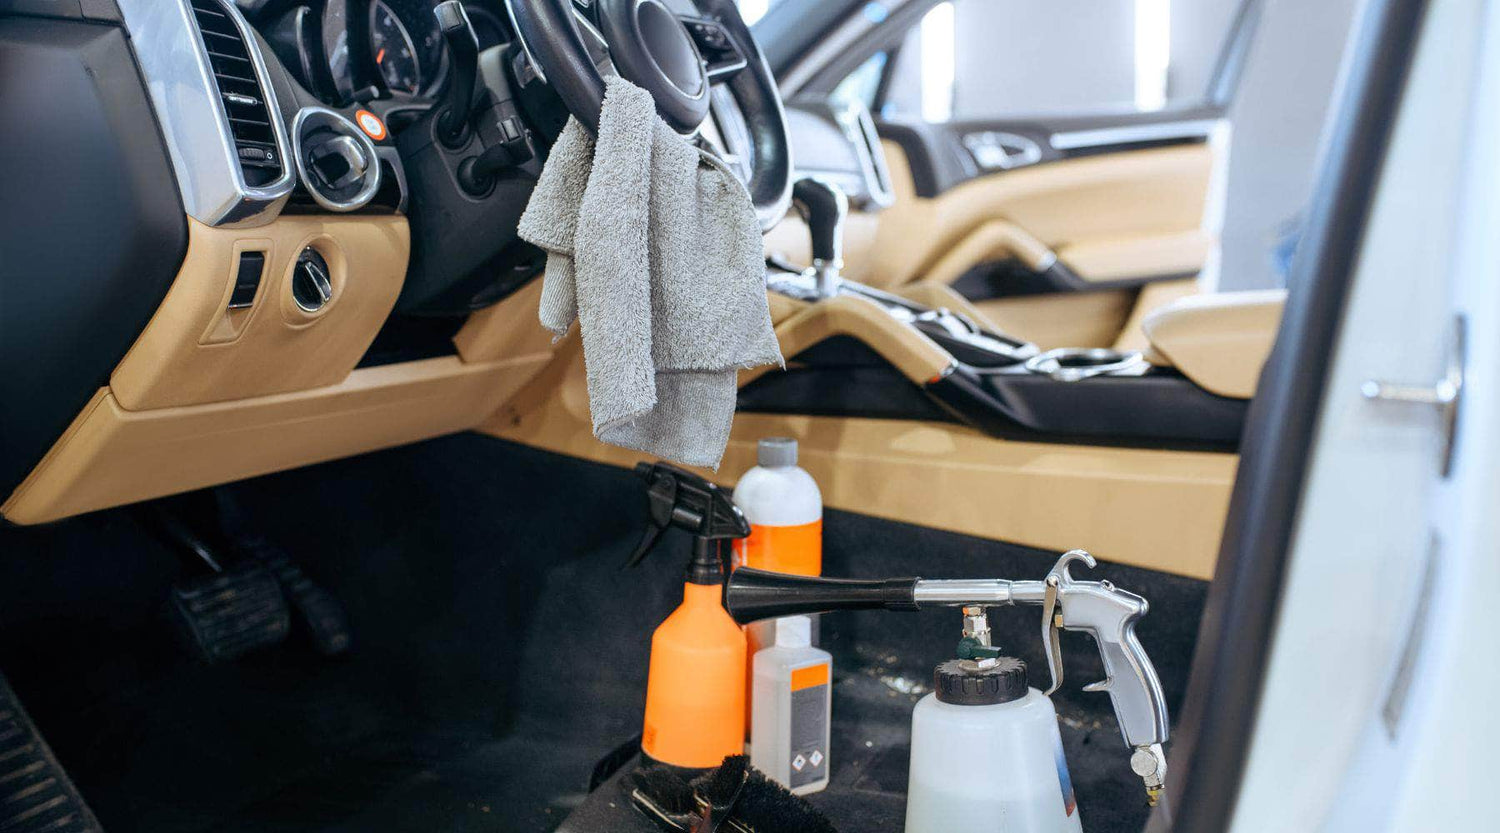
752	595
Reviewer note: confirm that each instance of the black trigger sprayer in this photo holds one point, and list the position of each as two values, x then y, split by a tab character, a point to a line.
682	499
695	690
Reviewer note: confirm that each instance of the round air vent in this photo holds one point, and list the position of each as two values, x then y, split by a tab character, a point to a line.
312	283
336	161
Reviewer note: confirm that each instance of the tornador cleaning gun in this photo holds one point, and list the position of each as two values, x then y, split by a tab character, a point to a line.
1098	608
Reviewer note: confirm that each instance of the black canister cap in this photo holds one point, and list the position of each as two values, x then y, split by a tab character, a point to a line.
958	682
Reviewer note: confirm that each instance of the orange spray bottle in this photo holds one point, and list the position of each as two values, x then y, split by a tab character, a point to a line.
695	689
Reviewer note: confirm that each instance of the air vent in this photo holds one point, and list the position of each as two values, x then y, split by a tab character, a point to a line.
243	100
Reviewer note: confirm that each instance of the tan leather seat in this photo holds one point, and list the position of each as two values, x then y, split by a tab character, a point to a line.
1219	341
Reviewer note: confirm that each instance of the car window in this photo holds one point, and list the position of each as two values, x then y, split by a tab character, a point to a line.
995	59
754	10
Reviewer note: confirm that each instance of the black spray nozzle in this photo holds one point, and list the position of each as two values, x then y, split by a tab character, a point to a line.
752	595
682	499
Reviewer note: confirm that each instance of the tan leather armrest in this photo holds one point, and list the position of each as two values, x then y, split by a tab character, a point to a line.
1219	341
918	357
994	240
1104	259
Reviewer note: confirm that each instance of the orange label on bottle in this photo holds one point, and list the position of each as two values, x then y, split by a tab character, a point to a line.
784	549
812	675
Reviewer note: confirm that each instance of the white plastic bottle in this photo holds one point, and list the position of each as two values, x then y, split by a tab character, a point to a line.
785	511
986	755
791	725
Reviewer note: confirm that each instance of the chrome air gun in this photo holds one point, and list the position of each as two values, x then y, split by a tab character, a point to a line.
1098	608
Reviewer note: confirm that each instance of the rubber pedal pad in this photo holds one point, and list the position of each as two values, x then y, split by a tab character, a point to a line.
36	795
316	610
227	615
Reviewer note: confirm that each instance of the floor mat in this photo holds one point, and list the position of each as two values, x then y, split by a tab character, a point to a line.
499	650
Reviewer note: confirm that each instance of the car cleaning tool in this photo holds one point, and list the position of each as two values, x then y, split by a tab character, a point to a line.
791	693
1098	608
734	798
785	511
695	688
985	746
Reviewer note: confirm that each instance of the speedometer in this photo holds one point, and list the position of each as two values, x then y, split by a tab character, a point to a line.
393	50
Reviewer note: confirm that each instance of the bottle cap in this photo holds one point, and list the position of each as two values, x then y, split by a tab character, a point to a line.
774	452
961	683
793	632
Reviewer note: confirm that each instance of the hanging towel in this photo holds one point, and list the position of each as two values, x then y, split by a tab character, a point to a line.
654	247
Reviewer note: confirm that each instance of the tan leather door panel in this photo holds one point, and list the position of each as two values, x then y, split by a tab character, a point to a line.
1137	211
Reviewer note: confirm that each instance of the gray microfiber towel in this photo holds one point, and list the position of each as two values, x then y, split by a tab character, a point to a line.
654	247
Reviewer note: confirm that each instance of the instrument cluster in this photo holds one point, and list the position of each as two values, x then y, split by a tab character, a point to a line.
361	50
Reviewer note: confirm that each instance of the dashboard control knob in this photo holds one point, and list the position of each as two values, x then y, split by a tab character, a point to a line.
312	282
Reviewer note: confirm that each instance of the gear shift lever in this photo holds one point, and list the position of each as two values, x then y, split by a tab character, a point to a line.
458	98
823	207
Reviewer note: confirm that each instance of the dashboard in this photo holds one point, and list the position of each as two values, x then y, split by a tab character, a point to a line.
292	267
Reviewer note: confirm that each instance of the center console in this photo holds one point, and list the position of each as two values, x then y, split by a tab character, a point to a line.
857	351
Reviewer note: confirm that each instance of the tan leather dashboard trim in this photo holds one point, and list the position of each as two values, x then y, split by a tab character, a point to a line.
918	357
507	330
195	351
1220	341
1163	510
111	456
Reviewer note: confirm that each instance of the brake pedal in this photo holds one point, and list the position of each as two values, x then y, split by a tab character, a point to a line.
230	607
230	613
317	611
36	795
256	593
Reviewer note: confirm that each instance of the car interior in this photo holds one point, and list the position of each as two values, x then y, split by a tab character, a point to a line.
268	314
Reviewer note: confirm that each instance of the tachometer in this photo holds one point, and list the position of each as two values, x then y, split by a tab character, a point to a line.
393	50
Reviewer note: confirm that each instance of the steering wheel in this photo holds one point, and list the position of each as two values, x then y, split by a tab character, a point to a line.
675	57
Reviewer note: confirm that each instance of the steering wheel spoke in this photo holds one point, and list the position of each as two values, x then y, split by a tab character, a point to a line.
689	64
722	57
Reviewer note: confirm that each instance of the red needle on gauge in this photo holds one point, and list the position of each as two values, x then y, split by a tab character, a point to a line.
380	56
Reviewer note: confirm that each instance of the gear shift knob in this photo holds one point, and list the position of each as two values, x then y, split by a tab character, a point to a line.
458	97
823	207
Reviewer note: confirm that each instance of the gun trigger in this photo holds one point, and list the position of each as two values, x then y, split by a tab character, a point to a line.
1102	685
1050	641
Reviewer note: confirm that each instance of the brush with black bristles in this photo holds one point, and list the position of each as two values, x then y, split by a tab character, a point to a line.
740	798
735	798
665	798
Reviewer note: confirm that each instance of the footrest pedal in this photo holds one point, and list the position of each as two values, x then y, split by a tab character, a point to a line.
36	795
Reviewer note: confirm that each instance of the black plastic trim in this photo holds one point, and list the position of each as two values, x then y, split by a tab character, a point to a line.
1218	720
94	229
843	377
1161	407
1013	279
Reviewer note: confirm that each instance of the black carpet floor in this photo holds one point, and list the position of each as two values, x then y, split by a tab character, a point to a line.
499	651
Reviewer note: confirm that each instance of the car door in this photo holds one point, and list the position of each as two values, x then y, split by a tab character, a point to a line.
1055	162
